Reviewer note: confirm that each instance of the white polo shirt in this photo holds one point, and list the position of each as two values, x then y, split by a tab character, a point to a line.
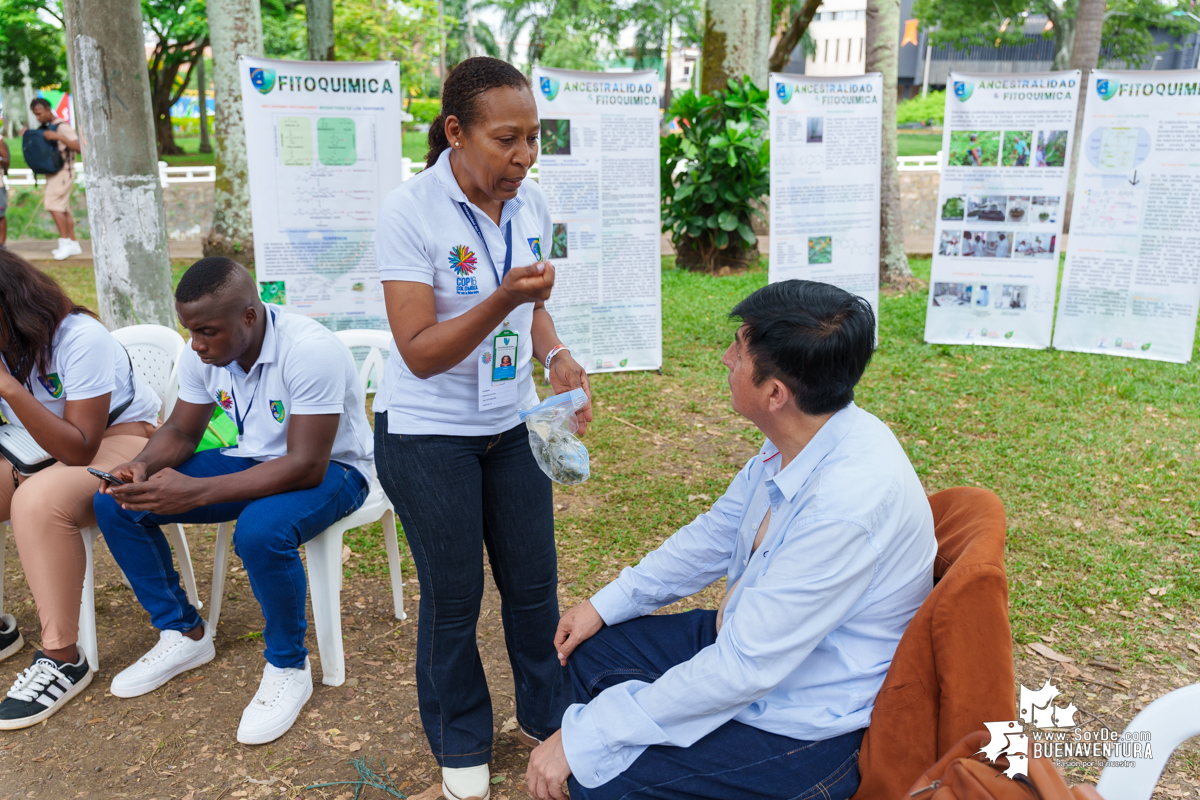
303	368
425	236
87	361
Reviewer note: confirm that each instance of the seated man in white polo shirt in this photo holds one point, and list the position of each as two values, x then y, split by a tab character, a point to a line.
303	454
826	540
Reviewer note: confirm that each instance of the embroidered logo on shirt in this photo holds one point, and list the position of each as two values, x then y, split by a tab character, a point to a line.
277	410
51	384
224	400
535	244
463	262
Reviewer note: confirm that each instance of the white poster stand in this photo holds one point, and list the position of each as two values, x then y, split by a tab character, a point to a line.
825	178
1006	149
599	170
323	140
1132	278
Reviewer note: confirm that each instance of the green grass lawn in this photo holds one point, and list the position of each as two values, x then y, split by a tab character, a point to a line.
909	143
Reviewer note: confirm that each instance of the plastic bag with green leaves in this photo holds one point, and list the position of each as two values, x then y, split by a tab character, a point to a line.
552	426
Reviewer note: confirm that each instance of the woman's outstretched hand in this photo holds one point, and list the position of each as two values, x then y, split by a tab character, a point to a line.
566	374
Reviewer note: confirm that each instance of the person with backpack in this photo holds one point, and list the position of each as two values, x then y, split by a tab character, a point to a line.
50	150
69	386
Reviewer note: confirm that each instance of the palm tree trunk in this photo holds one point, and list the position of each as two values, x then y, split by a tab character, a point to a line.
112	101
737	34
235	28
1085	56
883	46
205	144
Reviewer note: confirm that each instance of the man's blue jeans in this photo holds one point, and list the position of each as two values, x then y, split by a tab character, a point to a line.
735	760
456	496
267	537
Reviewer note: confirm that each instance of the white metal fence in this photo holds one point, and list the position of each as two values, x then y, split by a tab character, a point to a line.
168	174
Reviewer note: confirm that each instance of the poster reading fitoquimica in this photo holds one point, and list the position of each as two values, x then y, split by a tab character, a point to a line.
825	176
322	143
599	169
1006	152
1132	278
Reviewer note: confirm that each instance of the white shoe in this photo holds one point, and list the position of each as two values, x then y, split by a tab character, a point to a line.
75	248
174	653
60	252
276	704
10	636
467	783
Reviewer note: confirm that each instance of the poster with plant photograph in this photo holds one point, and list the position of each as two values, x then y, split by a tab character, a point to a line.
598	166
1006	142
825	176
1131	281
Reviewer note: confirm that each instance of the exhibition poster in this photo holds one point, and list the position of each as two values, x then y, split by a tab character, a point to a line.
598	168
1132	278
1006	150
323	144
825	176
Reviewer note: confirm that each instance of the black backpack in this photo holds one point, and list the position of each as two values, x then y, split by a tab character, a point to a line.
42	156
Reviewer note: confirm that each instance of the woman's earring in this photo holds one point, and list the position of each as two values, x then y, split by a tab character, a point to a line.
456	144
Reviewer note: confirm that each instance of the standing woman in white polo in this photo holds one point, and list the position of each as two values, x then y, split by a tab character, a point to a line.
460	251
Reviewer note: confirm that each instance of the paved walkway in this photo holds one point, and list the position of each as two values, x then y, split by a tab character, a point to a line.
41	250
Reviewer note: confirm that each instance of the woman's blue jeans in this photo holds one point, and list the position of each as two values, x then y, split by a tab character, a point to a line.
456	496
267	538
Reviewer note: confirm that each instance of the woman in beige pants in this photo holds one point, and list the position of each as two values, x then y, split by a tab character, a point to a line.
70	385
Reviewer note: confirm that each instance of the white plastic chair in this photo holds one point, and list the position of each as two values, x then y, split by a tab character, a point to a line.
1168	722
323	553
154	351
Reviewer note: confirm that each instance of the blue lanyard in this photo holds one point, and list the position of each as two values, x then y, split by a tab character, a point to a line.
507	243
240	419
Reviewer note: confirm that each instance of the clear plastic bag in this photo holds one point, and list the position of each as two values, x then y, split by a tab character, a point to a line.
552	426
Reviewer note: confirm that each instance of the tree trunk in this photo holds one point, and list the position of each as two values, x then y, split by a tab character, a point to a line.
791	37
737	34
1064	40
1085	56
205	144
319	15
162	97
235	29
128	219
883	46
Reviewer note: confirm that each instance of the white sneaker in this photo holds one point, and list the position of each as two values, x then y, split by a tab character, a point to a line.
174	653
74	248
467	783
276	704
60	252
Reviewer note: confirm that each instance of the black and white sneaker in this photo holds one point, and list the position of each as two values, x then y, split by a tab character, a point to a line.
10	637
41	690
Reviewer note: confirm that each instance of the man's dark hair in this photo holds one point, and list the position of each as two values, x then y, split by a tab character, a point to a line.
39	101
815	338
206	277
460	96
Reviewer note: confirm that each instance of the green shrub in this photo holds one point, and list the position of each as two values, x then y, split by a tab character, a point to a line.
708	207
924	110
424	109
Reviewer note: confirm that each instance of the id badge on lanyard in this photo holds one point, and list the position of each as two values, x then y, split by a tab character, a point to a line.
497	370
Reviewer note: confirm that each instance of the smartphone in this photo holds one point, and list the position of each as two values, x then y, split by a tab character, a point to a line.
104	476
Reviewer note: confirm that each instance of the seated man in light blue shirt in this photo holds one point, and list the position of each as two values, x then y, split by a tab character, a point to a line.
827	543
